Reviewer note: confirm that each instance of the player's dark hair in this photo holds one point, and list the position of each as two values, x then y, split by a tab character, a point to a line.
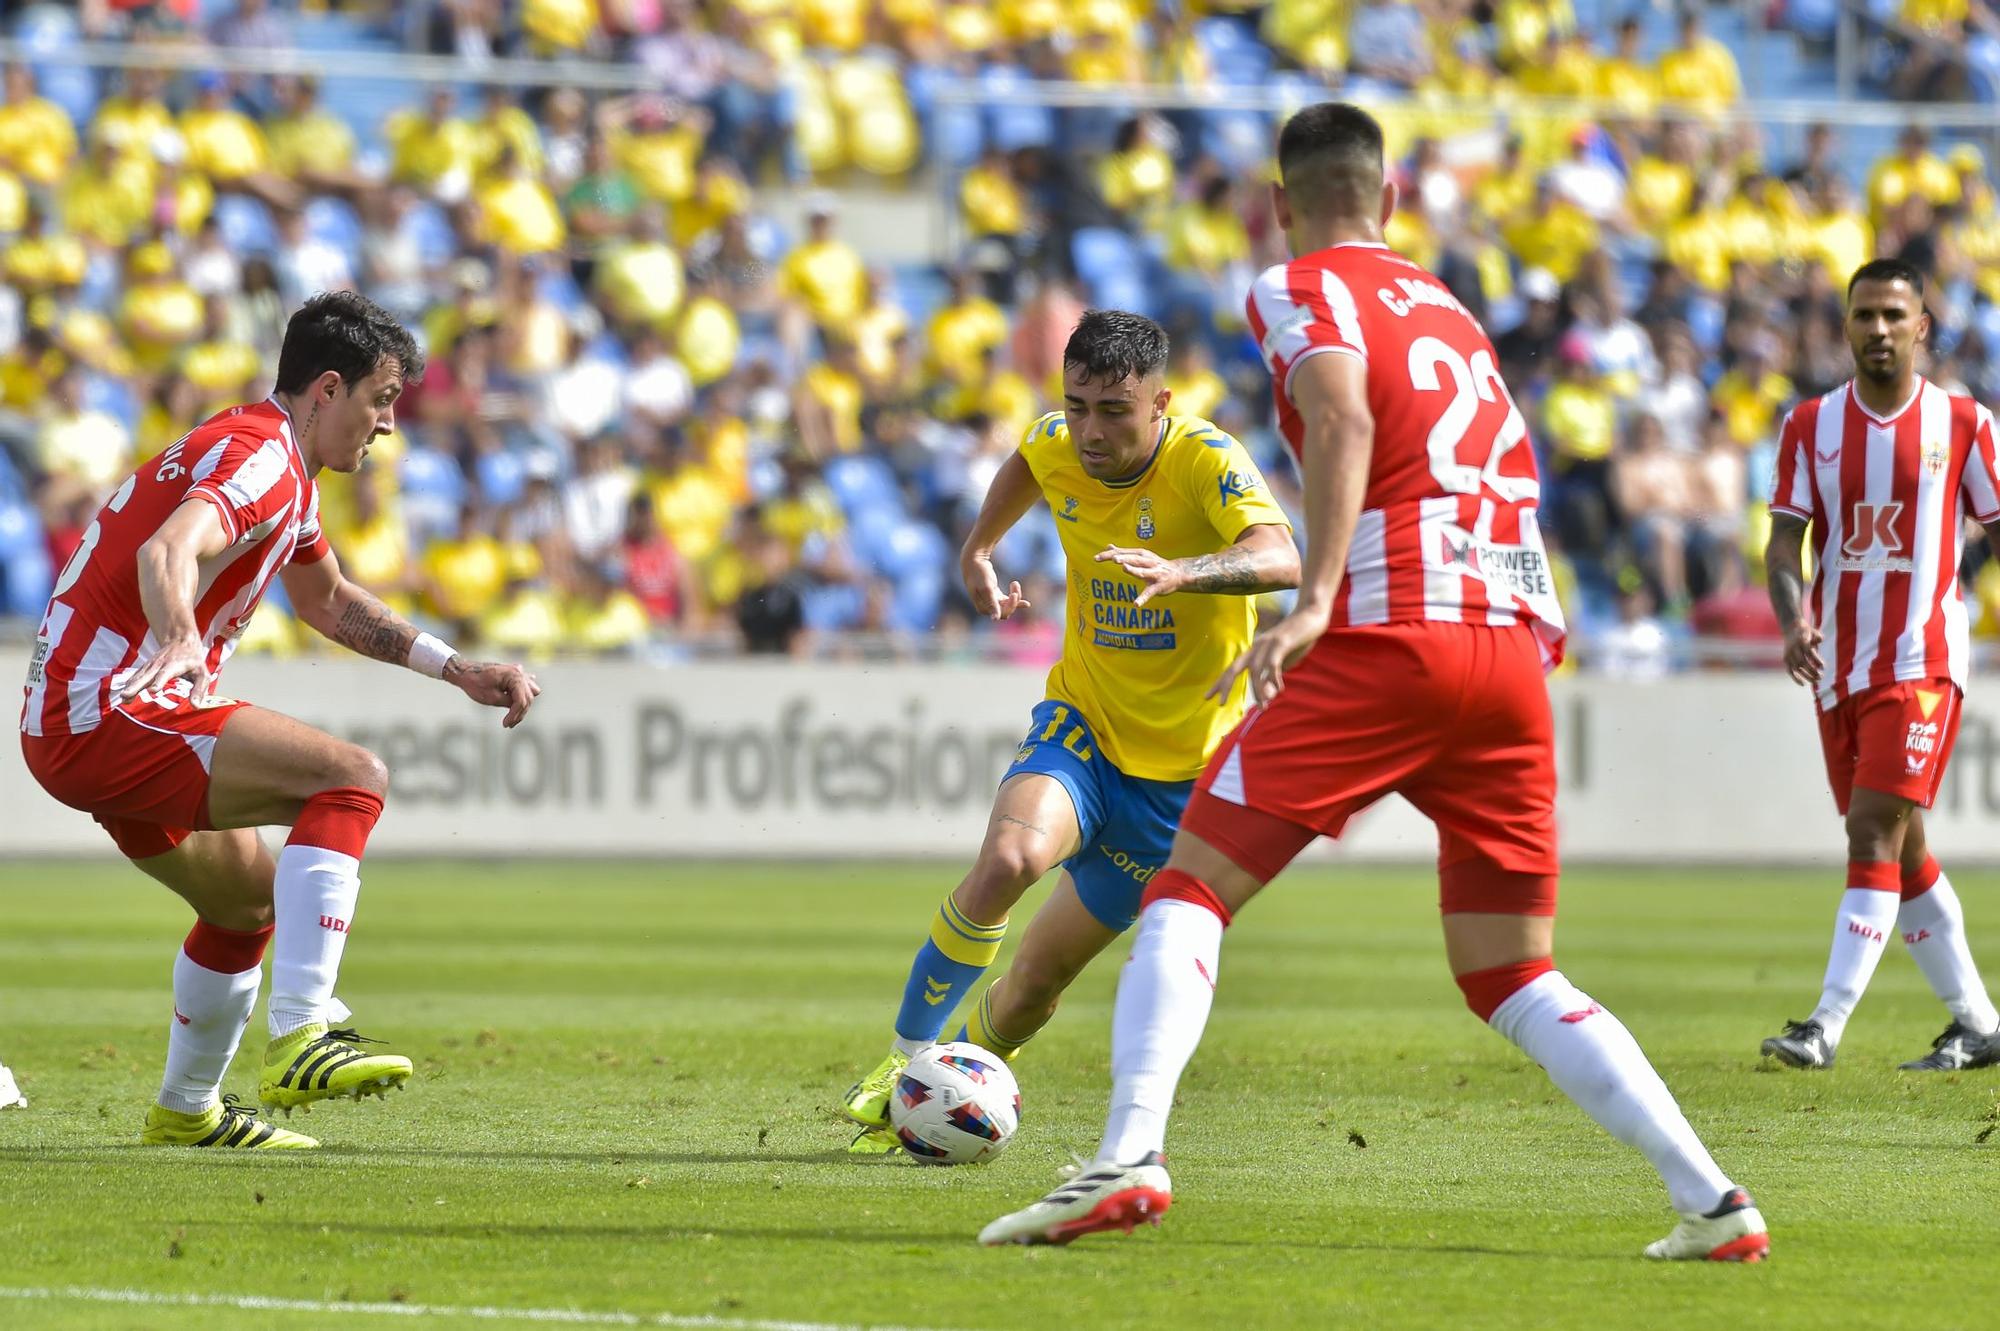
1330	159
1888	270
347	333
1109	345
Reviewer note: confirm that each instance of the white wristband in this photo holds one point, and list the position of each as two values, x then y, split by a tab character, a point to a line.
428	655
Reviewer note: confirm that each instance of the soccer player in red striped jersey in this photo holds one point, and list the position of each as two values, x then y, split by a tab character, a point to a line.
1413	664
1883	472
121	718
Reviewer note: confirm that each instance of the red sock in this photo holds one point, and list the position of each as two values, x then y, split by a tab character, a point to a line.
1179	885
1486	990
338	820
226	951
1880	875
1921	879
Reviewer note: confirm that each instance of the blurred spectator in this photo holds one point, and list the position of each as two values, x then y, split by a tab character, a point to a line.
82	452
770	613
1649	486
1673	393
308	264
654	571
1637	646
1579	425
36	136
1699	72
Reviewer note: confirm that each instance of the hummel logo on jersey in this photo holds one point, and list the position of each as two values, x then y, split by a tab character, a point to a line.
1572	1018
936	991
334	923
1068	513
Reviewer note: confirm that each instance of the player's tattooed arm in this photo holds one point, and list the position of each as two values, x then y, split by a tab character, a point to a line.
1784	575
1264	559
371	628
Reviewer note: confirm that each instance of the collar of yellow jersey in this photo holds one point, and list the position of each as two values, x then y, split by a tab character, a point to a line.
1127	482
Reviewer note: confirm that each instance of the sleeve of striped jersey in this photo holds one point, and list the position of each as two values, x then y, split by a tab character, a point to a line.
1296	312
311	546
1791	487
249	484
1981	481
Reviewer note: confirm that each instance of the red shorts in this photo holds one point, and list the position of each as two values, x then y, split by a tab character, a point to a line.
142	772
1896	739
1453	717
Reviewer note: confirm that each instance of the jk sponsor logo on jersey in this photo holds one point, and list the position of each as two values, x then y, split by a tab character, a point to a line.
1520	569
1120	623
1872	543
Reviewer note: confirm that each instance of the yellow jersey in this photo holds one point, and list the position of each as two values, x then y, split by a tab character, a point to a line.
1141	673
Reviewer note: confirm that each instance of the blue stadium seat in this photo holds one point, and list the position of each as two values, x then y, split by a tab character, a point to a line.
860	481
871	532
435	240
502	475
333	221
246	225
1105	253
1011	122
112	395
47	28
433	490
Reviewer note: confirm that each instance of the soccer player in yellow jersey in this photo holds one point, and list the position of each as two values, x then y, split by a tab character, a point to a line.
1169	531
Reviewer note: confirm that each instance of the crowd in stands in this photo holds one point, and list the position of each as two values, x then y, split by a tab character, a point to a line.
664	413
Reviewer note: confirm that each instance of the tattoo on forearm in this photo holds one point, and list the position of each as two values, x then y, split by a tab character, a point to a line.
1022	822
374	630
1231	570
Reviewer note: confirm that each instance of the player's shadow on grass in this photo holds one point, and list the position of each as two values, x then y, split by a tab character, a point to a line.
955	1238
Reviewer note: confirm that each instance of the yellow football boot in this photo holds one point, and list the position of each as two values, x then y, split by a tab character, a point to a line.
228	1125
867	1101
314	1063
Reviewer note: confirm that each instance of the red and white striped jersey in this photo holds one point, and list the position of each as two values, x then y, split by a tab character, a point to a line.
1449	527
246	463
1887	498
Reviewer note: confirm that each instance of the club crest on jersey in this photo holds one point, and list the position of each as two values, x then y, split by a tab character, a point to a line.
1936	454
1872	543
1146	528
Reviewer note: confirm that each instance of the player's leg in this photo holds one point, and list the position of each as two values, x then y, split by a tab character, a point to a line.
267	768
1492	795
1063	938
1165	994
1932	923
1098	899
226	878
1035	825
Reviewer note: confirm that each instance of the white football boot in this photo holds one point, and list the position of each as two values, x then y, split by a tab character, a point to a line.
1098	1198
1732	1232
10	1091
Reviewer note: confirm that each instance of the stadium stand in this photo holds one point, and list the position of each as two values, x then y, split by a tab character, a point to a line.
697	384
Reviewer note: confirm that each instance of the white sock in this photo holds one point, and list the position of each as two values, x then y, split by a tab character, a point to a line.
314	902
1594	1060
1164	996
210	1011
1860	933
1933	928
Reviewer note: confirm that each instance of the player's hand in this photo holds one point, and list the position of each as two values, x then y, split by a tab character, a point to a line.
982	584
495	685
184	658
1161	576
1802	658
1270	654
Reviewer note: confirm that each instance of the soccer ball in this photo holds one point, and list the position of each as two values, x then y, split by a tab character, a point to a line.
955	1104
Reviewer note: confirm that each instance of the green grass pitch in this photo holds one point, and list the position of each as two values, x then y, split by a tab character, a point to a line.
624	1075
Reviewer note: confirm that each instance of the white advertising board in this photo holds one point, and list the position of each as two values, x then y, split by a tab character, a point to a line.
797	759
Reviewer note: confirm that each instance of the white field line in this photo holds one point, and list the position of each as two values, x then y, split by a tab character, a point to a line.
559	1316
